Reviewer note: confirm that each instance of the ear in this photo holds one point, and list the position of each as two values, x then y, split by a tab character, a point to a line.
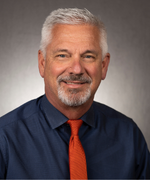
105	64
41	63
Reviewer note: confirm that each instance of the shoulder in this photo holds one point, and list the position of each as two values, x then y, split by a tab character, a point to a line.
21	113
110	114
116	124
123	132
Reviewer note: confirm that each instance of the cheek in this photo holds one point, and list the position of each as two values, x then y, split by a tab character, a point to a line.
95	73
53	71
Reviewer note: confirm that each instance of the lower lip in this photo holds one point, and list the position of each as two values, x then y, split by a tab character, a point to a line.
74	85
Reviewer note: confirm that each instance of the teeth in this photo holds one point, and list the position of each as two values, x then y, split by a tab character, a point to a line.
72	83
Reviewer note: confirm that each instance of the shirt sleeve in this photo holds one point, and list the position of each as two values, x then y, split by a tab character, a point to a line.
2	160
143	167
142	156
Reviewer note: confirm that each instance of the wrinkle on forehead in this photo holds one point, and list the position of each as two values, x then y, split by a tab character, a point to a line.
74	39
75	32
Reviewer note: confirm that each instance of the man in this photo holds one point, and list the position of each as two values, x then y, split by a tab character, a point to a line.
34	138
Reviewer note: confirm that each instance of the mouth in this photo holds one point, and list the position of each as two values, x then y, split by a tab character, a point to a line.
74	82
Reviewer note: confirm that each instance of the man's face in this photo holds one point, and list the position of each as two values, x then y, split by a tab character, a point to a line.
73	68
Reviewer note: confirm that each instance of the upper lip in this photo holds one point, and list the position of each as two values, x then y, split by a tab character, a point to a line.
74	82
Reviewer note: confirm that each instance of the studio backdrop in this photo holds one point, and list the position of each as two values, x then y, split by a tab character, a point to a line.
127	85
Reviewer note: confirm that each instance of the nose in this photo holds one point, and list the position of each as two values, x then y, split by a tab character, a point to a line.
76	66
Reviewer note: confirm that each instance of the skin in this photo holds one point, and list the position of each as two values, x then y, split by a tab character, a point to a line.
74	49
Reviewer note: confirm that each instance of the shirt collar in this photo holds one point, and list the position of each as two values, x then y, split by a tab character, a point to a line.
56	118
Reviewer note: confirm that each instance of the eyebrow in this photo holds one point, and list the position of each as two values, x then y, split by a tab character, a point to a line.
61	50
91	52
85	52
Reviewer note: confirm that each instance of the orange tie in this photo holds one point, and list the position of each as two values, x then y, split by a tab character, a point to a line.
77	159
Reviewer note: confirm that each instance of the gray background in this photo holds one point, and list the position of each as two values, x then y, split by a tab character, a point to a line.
127	86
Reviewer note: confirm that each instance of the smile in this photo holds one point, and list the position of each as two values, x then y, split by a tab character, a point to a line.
74	82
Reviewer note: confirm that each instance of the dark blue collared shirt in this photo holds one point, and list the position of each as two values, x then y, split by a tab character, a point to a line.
34	141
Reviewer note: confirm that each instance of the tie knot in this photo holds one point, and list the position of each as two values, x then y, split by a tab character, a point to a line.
75	126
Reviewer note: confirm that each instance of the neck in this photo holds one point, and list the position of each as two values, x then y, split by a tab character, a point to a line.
75	112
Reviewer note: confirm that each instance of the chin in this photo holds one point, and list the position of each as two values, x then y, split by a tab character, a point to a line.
74	98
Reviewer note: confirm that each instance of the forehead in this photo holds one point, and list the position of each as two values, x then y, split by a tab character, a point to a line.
76	34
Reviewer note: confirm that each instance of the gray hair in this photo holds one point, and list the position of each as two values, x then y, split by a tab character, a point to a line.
72	16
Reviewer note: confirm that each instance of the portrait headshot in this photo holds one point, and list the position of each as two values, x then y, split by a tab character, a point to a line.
74	89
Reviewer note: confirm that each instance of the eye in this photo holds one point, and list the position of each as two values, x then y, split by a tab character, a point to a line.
88	56
62	55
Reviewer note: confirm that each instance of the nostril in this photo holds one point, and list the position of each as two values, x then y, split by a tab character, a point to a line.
76	73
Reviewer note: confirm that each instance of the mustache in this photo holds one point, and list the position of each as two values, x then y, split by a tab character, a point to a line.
74	77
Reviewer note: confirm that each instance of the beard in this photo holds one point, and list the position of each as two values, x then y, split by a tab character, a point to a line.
74	97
